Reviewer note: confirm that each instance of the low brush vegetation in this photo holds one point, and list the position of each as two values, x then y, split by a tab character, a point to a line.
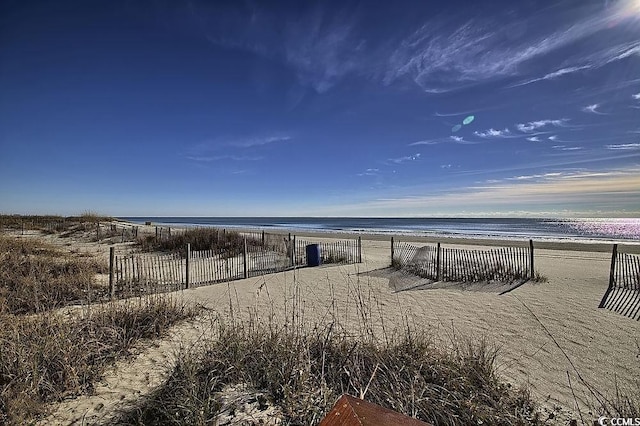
200	239
50	357
302	372
35	277
50	223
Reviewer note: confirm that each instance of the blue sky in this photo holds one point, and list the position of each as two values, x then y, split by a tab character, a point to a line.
301	108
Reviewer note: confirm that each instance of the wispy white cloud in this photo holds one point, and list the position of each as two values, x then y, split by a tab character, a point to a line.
553	75
593	108
252	142
404	159
636	96
592	61
532	126
461	140
567	148
572	148
553	138
323	49
445	166
426	142
614	53
231	149
624	146
370	172
320	47
440	59
554	191
534	139
323	46
493	133
534	177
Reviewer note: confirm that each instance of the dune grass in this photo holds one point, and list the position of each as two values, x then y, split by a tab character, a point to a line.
50	223
36	276
230	242
49	357
46	356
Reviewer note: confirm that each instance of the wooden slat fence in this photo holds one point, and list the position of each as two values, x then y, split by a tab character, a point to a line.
420	261
148	273
507	264
113	232
211	266
144	273
343	251
623	293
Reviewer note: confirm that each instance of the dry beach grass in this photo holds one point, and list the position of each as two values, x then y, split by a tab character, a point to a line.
47	355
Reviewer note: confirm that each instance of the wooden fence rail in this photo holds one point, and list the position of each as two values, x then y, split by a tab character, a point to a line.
436	263
343	251
623	293
145	273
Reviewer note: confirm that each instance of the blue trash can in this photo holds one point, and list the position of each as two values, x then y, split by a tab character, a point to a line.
314	257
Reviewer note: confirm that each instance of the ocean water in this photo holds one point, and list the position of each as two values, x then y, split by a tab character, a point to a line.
598	229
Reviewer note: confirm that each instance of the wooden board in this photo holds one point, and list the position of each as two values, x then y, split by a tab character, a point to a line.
351	411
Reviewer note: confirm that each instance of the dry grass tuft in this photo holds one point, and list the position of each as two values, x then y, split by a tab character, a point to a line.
229	242
49	357
303	371
35	277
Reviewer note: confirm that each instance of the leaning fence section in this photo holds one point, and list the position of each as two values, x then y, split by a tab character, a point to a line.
437	263
623	293
419	260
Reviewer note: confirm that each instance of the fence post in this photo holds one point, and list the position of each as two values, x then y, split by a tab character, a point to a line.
244	257
359	249
186	275
262	238
98	231
614	256
438	263
22	226
293	252
156	234
392	253
112	287
531	258
123	235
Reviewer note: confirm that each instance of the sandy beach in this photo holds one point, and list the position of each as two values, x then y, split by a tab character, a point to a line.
551	336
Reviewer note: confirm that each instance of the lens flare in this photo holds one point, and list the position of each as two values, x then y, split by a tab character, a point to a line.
627	9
